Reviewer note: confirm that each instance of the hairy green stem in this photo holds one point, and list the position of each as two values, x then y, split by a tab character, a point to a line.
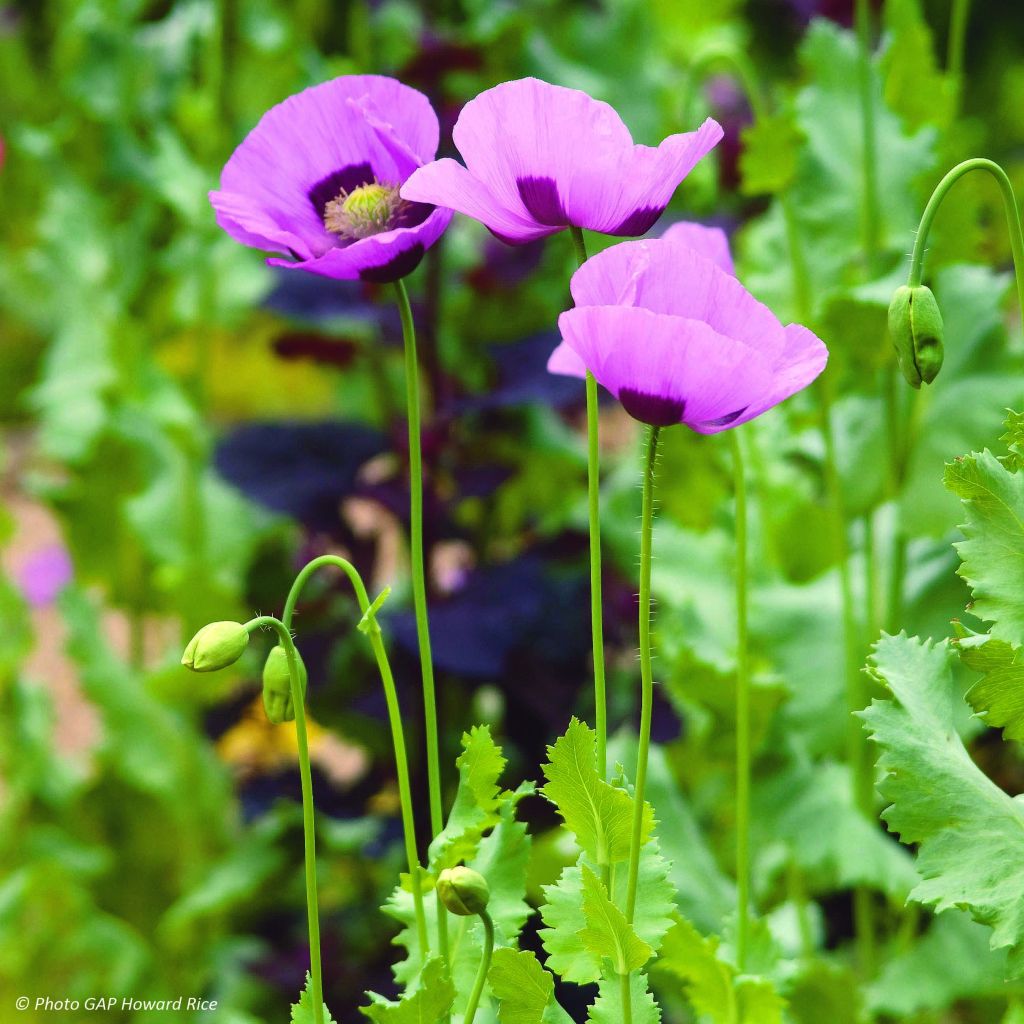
481	974
646	671
1013	222
594	522
308	823
394	717
743	737
419	585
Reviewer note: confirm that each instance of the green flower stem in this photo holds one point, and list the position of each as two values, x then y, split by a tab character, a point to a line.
742	69
626	998
308	824
1013	222
394	716
646	673
870	224
959	14
594	518
419	585
481	974
743	740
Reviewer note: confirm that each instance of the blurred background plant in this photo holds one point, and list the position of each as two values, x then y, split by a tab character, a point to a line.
182	427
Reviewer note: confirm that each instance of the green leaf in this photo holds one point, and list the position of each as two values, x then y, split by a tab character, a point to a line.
825	991
608	1009
564	916
970	834
920	978
993	553
598	814
714	988
608	935
302	1011
914	85
429	1003
524	990
476	800
999	695
769	158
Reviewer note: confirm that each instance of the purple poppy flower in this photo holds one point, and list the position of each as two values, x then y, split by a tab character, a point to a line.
318	180
540	158
678	340
709	241
45	574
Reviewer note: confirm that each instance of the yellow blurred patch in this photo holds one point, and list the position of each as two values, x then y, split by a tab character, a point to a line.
244	376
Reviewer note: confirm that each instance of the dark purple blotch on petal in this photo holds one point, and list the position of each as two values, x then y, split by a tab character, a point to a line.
639	222
724	421
657	410
397	267
347	179
412	215
540	196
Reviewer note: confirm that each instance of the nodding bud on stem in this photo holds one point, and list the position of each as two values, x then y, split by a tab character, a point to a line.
915	325
277	685
463	891
216	646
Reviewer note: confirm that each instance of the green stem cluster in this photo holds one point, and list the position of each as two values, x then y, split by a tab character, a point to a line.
594	524
646	668
743	731
419	584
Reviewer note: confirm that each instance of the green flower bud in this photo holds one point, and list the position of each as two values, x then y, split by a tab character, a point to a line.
277	685
463	891
215	646
915	325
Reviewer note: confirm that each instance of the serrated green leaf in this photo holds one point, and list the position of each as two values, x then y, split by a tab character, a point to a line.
476	800
713	987
992	555
598	814
608	1009
564	918
608	935
769	157
430	1002
302	1011
999	695
524	990
970	834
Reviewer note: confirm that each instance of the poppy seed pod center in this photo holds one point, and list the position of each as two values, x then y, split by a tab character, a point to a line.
365	211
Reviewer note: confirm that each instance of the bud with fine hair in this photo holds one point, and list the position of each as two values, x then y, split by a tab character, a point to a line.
216	646
463	891
915	325
277	685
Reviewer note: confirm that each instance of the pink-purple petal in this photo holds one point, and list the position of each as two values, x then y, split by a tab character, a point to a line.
670	277
447	183
667	369
710	242
379	258
565	361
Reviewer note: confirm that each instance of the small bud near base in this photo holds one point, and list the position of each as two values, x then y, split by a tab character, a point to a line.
216	646
277	685
463	891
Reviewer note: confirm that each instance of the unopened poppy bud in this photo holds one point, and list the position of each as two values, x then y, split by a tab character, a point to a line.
915	325
216	646
463	891
277	685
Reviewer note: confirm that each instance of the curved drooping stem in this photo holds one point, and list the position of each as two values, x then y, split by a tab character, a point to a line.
308	823
369	626
1013	222
594	520
743	737
646	670
419	584
481	974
